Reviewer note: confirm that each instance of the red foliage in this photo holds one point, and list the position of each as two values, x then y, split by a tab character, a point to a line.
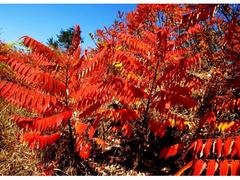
226	167
35	140
170	151
166	68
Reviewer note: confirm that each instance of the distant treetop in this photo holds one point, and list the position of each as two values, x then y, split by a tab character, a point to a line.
64	39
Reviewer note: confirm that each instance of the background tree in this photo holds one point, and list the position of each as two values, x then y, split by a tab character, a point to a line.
64	39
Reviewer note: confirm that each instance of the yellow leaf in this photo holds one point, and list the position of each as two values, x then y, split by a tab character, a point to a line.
118	65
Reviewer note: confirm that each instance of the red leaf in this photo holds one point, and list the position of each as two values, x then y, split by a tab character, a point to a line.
198	167
173	150
170	151
24	97
234	152
211	167
85	150
51	122
127	130
75	40
209	118
237	145
207	148
218	146
40	48
235	170
227	146
96	121
91	132
192	147
224	168
137	92
2	84
6	89
35	138
199	146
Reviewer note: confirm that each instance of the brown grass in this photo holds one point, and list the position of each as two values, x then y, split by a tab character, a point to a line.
15	158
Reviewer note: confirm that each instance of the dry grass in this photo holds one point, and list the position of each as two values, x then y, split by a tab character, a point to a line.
15	158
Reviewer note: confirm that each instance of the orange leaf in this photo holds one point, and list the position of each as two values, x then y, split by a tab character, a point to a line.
81	128
100	142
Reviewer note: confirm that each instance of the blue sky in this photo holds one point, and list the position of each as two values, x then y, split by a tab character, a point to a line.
43	21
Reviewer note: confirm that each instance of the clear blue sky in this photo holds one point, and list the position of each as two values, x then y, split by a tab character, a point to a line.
42	21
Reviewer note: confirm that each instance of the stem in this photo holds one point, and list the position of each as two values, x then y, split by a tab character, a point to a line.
139	156
145	117
152	85
71	142
71	145
151	91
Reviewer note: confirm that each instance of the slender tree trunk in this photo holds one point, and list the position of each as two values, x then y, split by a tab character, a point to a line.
141	147
145	117
71	142
71	139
